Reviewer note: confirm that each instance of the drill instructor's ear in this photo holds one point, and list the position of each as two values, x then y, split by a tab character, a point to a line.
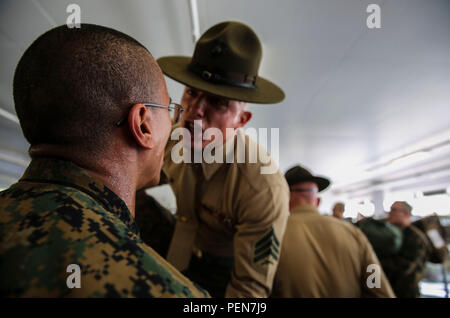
139	125
244	118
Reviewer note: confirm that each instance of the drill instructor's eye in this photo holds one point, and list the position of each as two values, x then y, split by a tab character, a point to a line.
214	101
192	92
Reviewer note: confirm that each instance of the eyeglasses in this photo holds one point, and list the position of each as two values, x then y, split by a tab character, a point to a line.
175	111
304	190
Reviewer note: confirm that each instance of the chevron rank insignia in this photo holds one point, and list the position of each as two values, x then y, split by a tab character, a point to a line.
267	249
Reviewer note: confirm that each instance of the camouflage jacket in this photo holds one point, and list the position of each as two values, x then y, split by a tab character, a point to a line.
57	215
405	270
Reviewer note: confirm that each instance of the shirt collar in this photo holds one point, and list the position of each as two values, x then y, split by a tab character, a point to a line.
304	209
66	173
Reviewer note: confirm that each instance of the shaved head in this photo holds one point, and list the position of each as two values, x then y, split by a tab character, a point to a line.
400	214
72	85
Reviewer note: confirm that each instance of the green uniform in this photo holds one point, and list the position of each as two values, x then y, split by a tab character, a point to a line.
405	270
57	215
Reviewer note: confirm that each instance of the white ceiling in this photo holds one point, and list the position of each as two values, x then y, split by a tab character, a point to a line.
353	94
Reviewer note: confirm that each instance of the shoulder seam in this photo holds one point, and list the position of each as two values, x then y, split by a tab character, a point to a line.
70	185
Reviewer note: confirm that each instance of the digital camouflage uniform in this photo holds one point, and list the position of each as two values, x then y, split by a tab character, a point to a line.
436	237
58	215
405	270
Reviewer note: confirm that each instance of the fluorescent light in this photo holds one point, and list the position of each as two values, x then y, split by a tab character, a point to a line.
410	158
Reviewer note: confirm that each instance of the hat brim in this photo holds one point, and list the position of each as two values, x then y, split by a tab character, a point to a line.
176	67
322	183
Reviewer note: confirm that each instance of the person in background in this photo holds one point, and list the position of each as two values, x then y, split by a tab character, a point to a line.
406	268
338	210
322	256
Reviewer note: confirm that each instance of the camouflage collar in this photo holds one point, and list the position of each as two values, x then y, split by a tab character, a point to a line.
66	173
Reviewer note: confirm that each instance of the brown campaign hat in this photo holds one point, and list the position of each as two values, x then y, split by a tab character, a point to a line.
225	63
299	174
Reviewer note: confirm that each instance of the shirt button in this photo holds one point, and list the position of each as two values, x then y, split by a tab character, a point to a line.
182	218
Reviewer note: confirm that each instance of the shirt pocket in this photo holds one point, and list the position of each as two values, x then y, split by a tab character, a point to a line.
216	219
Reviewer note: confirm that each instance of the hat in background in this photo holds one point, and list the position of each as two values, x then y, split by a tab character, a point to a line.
299	174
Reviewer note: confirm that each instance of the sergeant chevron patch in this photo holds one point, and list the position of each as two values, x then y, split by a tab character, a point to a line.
267	249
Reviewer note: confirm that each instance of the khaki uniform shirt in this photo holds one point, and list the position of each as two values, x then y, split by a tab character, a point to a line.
58	215
230	210
322	256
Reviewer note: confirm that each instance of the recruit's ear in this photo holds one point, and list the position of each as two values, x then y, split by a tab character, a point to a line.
139	125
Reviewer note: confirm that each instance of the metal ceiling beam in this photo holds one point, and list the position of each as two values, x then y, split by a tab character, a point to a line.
6	114
193	9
